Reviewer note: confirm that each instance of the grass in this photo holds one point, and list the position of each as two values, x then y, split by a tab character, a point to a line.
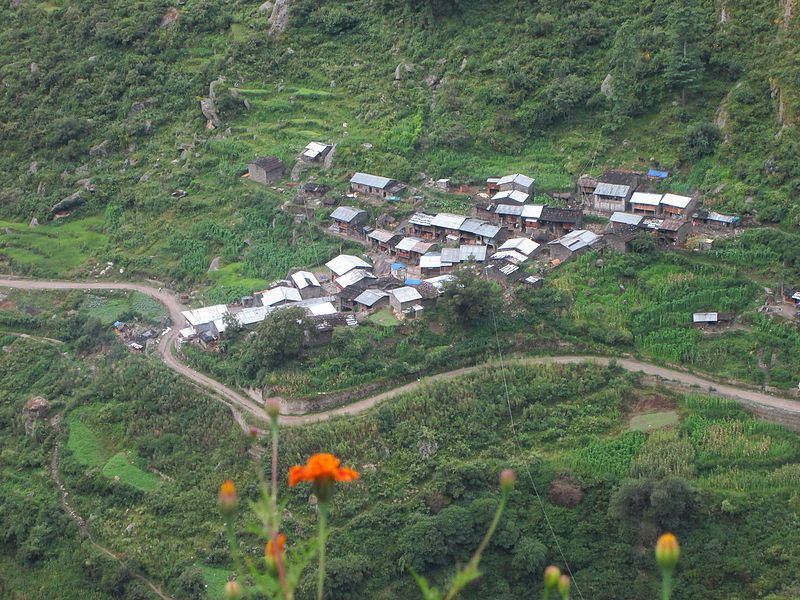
55	249
215	579
656	420
385	318
84	444
120	466
109	307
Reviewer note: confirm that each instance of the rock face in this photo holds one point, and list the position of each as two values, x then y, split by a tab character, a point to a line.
279	19
401	69
100	150
209	111
67	203
36	409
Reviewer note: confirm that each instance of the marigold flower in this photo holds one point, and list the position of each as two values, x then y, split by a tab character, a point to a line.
227	499
233	591
551	576
271	552
667	551
322	470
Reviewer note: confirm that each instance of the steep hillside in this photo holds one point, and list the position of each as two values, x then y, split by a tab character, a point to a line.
111	94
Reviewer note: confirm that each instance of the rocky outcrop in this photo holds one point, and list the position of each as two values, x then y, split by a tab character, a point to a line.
100	149
36	409
402	69
70	202
607	87
279	19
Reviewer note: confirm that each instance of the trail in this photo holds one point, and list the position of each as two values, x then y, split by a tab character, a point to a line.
55	475
765	405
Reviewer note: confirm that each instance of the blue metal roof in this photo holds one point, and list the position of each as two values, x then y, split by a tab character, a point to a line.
657	173
413	281
397	266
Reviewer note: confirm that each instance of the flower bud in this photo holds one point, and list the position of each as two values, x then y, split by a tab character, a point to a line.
667	551
253	431
233	591
273	408
551	575
563	586
507	480
227	499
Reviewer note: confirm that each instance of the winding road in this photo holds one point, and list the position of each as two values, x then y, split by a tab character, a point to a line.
773	408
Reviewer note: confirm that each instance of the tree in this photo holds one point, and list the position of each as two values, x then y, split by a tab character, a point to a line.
192	584
278	339
701	140
469	297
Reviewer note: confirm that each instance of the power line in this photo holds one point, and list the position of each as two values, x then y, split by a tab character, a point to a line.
519	450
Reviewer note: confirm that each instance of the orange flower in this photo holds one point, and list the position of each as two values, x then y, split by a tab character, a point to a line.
228	500
321	470
271	552
667	551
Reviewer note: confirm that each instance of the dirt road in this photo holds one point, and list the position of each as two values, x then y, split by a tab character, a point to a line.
765	405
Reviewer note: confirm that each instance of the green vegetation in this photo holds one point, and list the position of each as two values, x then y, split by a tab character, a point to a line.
119	467
385	318
655	420
84	444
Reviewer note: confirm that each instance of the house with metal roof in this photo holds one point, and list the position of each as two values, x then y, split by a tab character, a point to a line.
624	219
674	206
714	219
405	300
475	230
279	296
375	185
610	197
348	219
668	231
307	283
645	203
522	245
316	151
558	221
421	224
510	197
504	271
344	263
411	249
383	240
198	317
518	182
357	278
464	253
573	244
371	300
447	223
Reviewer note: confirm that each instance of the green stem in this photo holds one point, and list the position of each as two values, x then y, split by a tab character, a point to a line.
323	526
666	586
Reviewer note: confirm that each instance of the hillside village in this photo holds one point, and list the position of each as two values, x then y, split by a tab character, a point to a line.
509	236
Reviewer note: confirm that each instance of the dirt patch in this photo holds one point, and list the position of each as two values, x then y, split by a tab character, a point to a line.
8	305
169	17
437	328
565	491
652	403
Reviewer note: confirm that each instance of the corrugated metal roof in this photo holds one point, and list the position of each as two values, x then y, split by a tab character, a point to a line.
487	230
353	277
710	317
523	245
412	244
448	221
676	200
439	281
344	263
613	190
626	218
375	181
346	213
517	178
255	314
304	279
509	209
381	235
280	294
406	294
316	147
513	195
532	280
206	314
720	218
532	211
646	198
325	308
421	219
492	179
509	269
370	297
512	255
431	260
657	173
577	240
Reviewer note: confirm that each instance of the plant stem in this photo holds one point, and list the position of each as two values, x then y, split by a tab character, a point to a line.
281	568
666	585
323	526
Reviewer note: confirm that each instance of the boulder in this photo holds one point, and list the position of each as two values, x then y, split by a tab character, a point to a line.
169	17
209	111
33	168
266	7
607	87
35	409
401	69
71	201
101	149
34	222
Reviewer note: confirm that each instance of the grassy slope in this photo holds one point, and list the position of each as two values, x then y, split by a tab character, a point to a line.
531	105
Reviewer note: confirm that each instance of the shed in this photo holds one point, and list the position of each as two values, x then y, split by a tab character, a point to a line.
678	207
375	185
518	182
308	284
371	300
349	218
355	279
316	151
266	169
510	197
411	248
560	220
522	245
279	296
404	299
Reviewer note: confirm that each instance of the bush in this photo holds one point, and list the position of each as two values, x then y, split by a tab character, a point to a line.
700	140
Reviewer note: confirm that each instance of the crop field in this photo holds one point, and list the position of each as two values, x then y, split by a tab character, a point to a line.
120	467
84	444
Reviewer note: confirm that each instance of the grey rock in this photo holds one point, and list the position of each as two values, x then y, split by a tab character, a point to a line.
34	222
101	149
463	65
432	80
33	168
34	67
607	87
266	7
82	170
209	111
